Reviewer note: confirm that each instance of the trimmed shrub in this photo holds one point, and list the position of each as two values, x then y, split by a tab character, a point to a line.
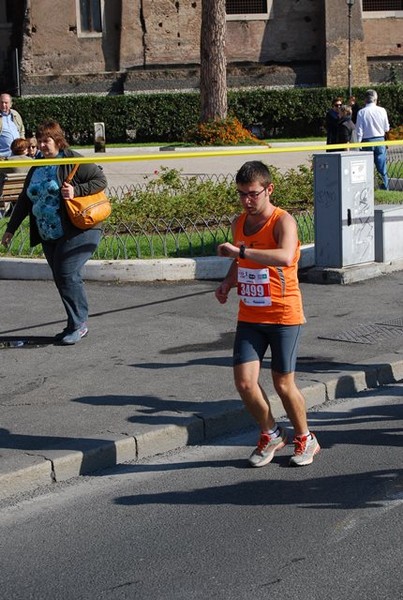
169	117
221	132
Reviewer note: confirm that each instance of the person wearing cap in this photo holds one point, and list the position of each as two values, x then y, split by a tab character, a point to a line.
372	126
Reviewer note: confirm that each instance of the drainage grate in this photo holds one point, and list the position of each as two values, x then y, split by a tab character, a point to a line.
31	342
393	323
368	334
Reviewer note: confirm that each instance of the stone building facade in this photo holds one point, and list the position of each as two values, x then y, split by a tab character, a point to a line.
115	46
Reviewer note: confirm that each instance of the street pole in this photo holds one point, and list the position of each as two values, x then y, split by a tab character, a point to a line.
350	4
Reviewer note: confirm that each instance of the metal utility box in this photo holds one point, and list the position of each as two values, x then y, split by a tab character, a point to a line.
344	208
388	232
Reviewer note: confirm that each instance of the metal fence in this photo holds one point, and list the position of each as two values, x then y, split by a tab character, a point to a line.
174	238
179	237
395	168
185	237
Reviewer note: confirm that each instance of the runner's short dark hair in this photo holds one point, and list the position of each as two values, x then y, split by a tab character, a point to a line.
253	170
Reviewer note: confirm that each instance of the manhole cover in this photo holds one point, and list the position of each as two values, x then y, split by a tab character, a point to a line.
366	334
393	323
12	344
36	342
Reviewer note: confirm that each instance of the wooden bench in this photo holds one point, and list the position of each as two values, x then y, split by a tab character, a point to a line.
10	189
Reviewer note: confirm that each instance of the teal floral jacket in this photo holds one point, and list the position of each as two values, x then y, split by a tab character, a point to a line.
88	179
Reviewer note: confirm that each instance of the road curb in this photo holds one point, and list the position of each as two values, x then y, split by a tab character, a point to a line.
35	469
187	269
138	270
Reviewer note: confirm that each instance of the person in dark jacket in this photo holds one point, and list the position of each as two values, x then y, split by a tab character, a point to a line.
66	247
345	127
332	120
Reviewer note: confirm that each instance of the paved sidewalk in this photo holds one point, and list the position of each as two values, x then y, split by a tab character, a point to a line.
155	372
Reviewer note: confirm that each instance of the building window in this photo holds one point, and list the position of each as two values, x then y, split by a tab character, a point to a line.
246	7
90	17
11	11
381	5
8	11
248	10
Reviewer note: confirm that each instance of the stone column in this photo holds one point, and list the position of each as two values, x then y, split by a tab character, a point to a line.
336	45
132	34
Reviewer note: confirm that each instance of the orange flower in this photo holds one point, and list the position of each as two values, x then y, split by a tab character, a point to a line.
227	131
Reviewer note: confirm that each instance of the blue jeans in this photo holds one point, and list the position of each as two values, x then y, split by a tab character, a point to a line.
66	258
379	159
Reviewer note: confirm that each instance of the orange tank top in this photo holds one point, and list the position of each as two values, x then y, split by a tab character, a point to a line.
267	294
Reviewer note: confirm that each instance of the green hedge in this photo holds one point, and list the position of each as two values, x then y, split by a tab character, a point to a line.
141	118
167	117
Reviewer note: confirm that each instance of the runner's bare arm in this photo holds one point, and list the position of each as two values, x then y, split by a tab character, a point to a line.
286	235
230	280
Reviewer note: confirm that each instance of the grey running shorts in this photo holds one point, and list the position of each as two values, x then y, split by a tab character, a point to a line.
253	339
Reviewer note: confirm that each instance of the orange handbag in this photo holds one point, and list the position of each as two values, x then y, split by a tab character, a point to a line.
87	211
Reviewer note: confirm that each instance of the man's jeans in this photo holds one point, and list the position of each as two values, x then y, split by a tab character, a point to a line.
379	159
66	258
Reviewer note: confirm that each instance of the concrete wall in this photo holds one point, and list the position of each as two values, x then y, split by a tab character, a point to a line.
171	34
336	34
384	37
293	33
304	42
52	44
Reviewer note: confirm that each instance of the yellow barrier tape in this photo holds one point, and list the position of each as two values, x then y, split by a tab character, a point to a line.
201	153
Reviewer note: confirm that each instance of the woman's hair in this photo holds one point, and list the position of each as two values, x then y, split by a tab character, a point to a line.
253	170
53	130
19	146
347	110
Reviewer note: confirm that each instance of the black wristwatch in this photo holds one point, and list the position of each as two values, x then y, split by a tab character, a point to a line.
242	249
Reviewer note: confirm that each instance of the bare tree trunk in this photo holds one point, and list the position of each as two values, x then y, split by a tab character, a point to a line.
213	63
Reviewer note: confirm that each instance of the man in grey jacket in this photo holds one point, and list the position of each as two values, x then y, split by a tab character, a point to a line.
11	125
372	125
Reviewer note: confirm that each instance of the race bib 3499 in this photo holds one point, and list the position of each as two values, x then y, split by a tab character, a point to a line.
254	286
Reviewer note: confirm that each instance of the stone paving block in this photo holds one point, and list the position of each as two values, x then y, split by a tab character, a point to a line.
22	473
170	437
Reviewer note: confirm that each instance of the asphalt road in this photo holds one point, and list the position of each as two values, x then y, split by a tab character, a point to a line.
200	524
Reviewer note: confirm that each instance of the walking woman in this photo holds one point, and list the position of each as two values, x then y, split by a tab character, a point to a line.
66	247
346	127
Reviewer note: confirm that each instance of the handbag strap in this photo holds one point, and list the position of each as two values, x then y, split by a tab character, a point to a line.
71	174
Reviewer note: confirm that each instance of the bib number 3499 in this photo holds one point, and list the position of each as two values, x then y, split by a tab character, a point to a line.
254	287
